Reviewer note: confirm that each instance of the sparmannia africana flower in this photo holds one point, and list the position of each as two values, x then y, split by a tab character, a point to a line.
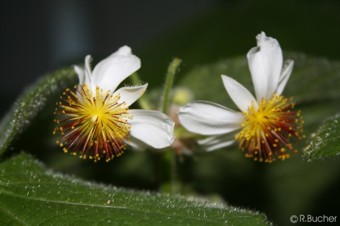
266	124
95	120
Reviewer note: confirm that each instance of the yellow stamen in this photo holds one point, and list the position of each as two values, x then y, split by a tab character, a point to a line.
268	128
92	125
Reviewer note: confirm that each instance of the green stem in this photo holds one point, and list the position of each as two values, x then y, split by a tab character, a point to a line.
170	155
168	172
172	69
143	101
173	174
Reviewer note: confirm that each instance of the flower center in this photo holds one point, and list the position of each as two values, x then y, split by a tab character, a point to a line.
269	128
92	125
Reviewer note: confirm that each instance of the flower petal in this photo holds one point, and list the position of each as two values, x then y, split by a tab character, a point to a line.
136	145
152	128
87	71
110	72
130	94
81	74
238	93
208	118
265	64
285	74
217	142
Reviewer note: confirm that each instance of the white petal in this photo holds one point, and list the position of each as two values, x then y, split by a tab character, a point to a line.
220	145
136	144
265	64
152	128
87	70
110	72
285	74
216	142
238	93
130	94
208	118
81	74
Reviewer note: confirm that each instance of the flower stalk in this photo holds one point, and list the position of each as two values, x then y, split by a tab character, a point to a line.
170	76
170	154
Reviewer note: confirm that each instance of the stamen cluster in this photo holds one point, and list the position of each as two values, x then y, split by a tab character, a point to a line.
90	125
269	128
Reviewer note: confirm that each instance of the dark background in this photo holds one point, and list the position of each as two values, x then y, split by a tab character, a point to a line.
42	36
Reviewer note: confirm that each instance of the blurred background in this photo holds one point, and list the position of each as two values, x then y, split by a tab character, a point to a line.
42	36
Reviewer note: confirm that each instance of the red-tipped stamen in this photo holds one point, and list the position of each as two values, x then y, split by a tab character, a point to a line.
90	125
269	128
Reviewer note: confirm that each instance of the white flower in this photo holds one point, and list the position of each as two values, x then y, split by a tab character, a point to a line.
266	123
96	120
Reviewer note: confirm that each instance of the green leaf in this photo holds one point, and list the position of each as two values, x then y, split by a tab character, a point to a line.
32	195
30	103
325	142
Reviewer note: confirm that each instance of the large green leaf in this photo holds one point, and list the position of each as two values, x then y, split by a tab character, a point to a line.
30	103
32	195
325	142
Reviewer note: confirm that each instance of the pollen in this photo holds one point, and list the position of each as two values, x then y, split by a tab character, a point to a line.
269	129
92	126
